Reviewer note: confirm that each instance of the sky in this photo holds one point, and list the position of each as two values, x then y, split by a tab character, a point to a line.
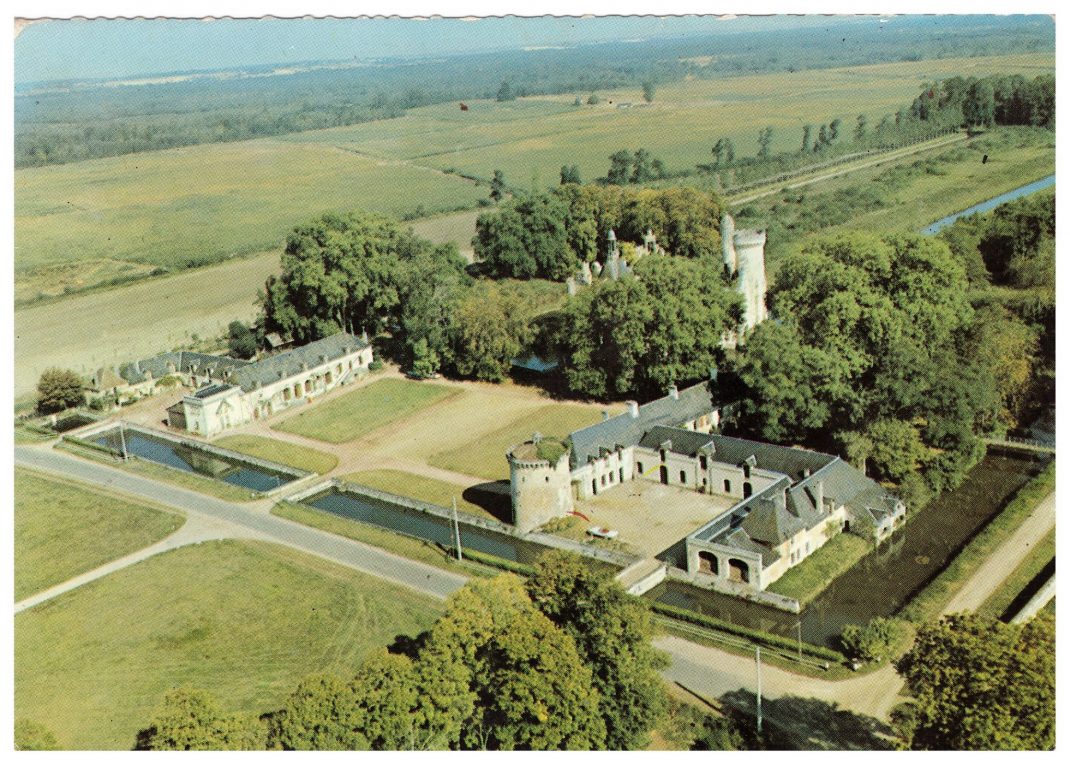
109	48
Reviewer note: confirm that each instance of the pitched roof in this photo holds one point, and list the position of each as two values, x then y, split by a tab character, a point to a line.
291	363
787	460
182	362
626	430
687	442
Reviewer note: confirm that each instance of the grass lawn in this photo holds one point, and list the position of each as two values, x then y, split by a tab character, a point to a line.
470	500
62	530
243	620
365	409
485	456
1026	571
295	456
928	603
407	547
808	579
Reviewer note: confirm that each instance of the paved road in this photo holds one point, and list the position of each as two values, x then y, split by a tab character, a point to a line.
250	520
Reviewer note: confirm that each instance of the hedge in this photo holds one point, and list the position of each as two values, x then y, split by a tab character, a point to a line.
757	636
493	560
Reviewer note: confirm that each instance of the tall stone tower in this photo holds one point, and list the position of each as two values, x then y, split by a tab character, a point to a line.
540	482
743	254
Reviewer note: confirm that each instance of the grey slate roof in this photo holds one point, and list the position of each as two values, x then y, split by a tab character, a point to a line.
625	430
780	459
688	442
210	390
291	363
183	362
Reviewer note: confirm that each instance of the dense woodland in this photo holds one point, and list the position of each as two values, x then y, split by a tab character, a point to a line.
72	121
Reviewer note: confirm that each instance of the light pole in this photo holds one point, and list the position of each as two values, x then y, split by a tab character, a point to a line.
758	662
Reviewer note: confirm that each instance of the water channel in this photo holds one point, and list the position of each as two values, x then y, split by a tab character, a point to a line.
886	578
993	203
426	526
192	459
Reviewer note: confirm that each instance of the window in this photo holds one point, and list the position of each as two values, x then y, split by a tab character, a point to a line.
747	491
702	461
622	475
683	476
662	455
727	486
338	369
603	479
639	468
594	486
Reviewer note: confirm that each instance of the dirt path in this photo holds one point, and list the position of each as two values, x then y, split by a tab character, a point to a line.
1005	558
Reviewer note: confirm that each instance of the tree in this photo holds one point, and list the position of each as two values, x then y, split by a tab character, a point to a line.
897	450
641	172
497	186
593	99
765	139
577	102
724	152
190	719
31	736
526	239
241	340
620	164
657	167
822	138
515	680
729	151
980	684
59	389
425	361
834	129
807	132
319	715
490	330
505	93
873	641
860	128
648	91
613	633
385	698
570	174
978	110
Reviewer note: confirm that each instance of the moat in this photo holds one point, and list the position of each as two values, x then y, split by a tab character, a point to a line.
885	579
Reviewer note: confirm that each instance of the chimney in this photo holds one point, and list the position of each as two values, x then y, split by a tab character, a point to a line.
304	366
781	499
605	415
633	409
713	374
674	392
819	496
323	358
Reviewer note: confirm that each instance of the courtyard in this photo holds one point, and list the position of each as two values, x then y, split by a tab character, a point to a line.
652	517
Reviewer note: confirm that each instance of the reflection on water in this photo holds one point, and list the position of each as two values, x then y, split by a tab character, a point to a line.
192	460
885	579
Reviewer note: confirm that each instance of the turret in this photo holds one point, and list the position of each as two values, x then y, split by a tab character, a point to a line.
749	250
728	251
540	481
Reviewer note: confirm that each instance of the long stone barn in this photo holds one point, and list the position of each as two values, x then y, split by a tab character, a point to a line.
790	501
232	392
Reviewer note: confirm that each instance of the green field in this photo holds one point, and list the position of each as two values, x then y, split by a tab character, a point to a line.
485	456
245	621
121	216
202	204
62	530
487	505
295	456
365	409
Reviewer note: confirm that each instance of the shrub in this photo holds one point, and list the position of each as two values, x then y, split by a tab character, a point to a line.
872	642
59	389
375	365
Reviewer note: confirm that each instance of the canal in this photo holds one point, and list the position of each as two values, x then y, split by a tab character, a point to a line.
885	579
192	459
993	203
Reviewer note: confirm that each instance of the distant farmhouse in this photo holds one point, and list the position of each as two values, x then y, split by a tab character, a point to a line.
791	501
232	392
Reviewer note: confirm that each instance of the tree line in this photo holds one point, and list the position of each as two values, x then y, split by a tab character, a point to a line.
561	661
988	101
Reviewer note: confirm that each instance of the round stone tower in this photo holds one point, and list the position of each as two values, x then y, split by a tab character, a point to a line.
728	252
540	482
749	247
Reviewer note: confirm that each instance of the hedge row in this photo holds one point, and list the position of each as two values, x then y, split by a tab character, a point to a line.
493	560
757	636
927	604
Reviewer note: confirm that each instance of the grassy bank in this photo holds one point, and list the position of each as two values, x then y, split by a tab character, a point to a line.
299	457
62	530
927	604
365	409
809	579
243	620
493	506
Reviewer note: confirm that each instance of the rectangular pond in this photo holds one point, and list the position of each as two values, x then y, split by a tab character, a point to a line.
429	527
184	455
885	579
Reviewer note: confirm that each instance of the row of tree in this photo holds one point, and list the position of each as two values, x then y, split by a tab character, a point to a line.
561	661
996	100
549	234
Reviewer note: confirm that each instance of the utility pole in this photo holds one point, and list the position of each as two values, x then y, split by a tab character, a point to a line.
456	531
122	438
758	662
